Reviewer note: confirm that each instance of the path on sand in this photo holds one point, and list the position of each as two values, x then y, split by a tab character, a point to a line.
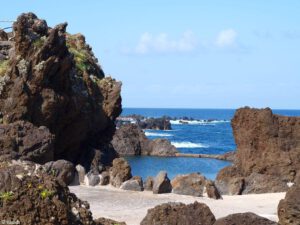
131	207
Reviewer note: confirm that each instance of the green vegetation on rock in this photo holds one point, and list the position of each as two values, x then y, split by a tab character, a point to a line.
45	193
80	54
3	67
38	43
6	196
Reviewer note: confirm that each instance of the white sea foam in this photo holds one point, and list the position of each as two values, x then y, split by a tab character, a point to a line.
187	144
152	134
197	122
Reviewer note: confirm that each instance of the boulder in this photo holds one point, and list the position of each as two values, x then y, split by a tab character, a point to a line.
81	173
105	221
63	170
244	219
148	185
93	179
267	156
104	178
189	184
212	191
289	207
229	181
139	179
119	172
131	185
129	139
179	213
162	183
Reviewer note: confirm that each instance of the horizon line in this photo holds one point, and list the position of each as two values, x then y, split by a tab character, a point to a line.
136	107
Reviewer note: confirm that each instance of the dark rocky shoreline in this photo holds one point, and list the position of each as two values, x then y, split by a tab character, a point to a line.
58	114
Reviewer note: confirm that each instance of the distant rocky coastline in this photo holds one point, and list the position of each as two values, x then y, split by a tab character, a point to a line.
160	123
142	122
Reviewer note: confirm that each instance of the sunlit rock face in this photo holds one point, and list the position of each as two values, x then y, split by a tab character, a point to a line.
53	82
268	152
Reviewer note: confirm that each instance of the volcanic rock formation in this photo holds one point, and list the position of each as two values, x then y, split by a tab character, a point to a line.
268	153
179	213
129	139
55	100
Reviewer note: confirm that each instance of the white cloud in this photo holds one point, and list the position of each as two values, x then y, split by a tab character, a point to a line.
226	38
161	43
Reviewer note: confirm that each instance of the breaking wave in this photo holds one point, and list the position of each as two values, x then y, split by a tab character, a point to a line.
152	134
198	122
187	144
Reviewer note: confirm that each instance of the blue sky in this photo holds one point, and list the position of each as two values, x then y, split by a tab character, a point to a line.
191	54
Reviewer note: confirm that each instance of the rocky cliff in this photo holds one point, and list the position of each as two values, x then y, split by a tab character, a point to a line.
55	100
268	153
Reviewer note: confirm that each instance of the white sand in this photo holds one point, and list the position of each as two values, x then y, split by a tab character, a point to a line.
131	207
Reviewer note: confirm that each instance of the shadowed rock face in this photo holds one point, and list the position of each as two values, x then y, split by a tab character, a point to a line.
54	80
289	207
268	151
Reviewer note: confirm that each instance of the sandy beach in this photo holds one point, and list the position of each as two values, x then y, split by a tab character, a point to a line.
131	207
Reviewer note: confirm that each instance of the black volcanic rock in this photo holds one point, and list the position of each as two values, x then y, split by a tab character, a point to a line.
179	214
162	123
289	207
267	156
129	139
53	80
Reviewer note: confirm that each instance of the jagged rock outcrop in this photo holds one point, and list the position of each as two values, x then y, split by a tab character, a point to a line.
129	139
268	152
289	207
244	219
179	213
53	82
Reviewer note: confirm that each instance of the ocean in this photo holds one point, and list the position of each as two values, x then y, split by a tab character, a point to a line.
211	135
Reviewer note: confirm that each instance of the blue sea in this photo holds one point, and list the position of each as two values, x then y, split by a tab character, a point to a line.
211	135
